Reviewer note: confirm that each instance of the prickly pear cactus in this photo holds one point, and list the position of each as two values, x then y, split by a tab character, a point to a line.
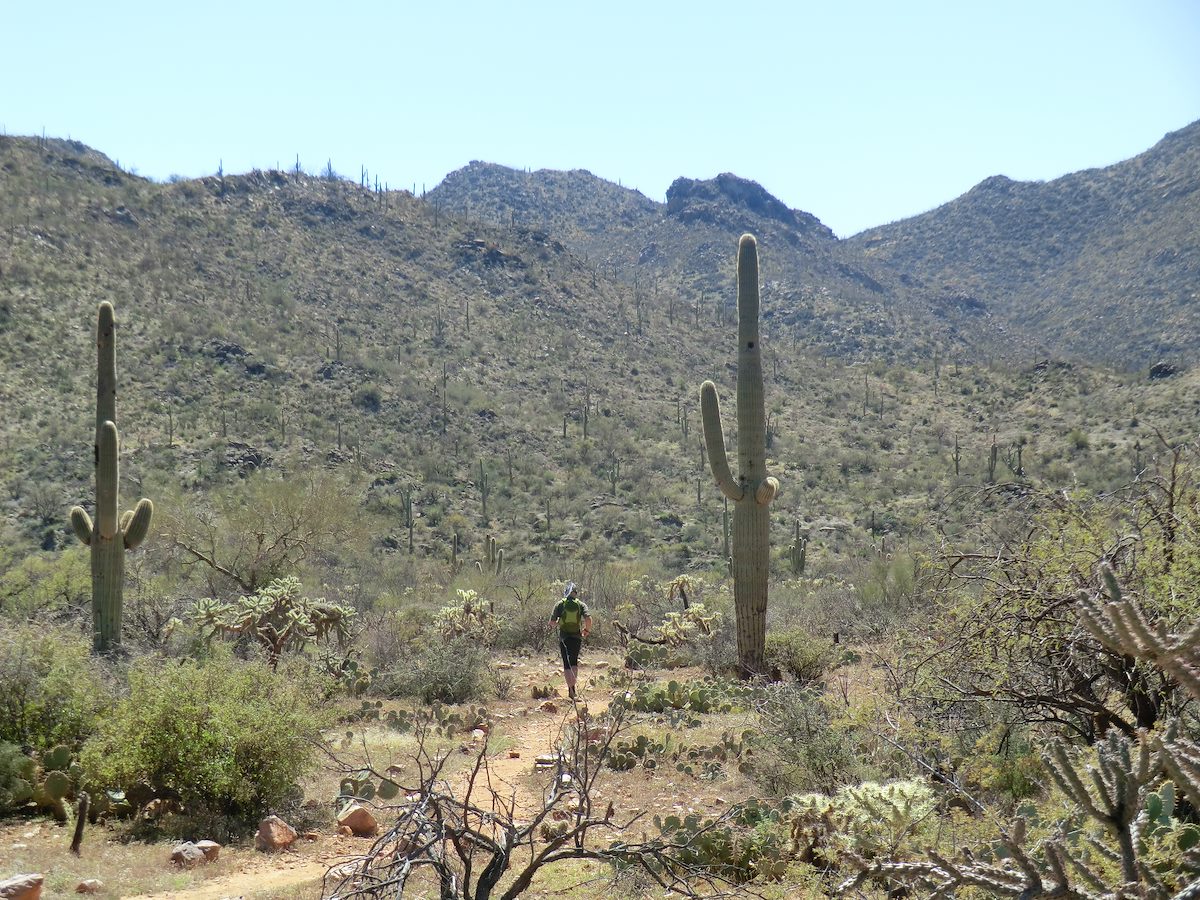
752	491
112	534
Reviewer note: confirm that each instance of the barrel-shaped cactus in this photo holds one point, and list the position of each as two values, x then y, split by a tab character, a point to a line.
752	491
111	534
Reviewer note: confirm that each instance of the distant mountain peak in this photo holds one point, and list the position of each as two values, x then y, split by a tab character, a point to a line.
995	184
714	199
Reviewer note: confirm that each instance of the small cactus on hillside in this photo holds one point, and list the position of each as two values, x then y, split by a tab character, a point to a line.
753	490
111	535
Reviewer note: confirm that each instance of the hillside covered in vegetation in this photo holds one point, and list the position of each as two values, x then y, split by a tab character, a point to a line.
381	431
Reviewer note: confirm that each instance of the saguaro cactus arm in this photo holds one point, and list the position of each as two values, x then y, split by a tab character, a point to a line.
138	524
766	491
714	439
81	522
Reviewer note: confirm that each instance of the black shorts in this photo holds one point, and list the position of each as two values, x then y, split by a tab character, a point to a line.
568	645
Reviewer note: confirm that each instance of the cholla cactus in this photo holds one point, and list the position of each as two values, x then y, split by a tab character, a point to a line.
753	490
469	616
112	534
1121	626
1125	785
679	628
869	819
277	618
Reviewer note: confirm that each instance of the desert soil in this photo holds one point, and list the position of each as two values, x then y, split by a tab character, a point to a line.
526	731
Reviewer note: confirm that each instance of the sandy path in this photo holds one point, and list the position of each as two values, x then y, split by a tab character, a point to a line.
525	728
268	873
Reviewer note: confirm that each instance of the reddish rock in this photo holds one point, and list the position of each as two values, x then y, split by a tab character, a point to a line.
549	706
89	886
274	834
22	887
210	849
345	831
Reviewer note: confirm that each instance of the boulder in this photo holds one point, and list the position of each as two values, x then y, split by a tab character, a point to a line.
274	834
210	849
1163	370
187	855
89	886
22	887
358	819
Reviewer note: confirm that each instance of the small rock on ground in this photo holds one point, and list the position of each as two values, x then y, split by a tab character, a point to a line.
274	834
359	820
187	855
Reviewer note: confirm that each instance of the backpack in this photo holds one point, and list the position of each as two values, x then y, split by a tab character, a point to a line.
572	616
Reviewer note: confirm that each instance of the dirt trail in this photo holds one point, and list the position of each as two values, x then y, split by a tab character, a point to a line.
276	873
521	731
523	728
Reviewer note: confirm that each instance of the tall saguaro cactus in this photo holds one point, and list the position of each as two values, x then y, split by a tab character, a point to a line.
111	535
753	490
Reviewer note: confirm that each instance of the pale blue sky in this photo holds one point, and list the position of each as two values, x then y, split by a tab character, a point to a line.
858	112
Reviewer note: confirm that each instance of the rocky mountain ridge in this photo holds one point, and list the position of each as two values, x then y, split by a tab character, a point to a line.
1102	264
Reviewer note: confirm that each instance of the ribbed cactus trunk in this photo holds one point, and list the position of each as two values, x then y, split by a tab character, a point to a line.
108	552
111	535
753	490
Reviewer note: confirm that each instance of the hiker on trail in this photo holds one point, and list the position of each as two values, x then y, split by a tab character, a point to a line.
574	622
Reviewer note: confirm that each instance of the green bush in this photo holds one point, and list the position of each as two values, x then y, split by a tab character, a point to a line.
802	749
225	735
51	689
796	653
43	585
717	652
16	776
450	671
523	626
